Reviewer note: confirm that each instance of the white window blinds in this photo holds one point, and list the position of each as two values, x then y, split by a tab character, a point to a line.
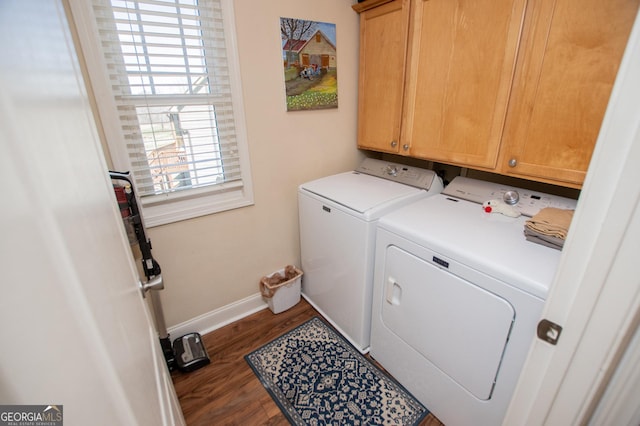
169	74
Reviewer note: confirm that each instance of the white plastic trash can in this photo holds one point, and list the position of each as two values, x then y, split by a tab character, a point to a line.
282	295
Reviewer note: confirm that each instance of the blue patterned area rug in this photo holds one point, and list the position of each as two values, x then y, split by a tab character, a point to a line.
318	378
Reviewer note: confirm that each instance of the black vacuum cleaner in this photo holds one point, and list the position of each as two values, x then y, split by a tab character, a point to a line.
187	353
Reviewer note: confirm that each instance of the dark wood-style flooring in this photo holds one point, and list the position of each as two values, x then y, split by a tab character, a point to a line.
227	392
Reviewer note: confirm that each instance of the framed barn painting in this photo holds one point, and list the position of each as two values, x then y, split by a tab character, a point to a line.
310	64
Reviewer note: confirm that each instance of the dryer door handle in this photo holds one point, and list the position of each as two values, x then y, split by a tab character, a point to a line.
394	291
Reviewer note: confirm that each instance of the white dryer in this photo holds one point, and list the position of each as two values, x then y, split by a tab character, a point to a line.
458	293
338	216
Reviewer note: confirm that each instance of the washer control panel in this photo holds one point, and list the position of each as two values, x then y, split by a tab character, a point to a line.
527	202
408	175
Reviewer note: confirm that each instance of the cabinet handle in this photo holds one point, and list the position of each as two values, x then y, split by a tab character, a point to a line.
394	144
405	147
513	162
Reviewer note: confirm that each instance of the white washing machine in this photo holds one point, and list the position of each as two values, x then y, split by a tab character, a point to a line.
338	216
458	293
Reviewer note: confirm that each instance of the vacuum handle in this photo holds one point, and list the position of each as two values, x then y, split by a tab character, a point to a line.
120	176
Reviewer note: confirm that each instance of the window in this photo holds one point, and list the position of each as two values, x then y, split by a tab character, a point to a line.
170	71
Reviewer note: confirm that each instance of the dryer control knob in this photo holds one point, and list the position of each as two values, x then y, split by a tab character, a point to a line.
392	170
511	197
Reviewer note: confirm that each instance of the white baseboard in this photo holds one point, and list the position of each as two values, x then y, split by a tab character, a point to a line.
220	317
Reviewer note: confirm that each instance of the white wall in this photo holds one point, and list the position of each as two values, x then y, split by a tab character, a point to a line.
212	261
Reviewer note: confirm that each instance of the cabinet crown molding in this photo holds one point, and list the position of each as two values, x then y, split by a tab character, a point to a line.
368	4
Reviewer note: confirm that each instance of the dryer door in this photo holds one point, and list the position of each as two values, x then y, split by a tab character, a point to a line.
455	325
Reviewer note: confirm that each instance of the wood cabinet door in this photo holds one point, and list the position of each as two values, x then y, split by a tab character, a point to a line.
383	47
568	61
461	65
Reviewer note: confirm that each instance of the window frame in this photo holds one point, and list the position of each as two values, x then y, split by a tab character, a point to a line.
181	205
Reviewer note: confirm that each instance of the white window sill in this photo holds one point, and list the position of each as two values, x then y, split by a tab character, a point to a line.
178	207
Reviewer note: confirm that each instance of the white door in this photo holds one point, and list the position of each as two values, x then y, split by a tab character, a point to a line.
73	324
596	292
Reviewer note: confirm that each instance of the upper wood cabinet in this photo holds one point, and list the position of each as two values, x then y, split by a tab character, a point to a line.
567	63
510	86
383	48
461	63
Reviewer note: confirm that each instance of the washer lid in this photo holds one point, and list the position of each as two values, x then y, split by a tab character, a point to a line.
490	243
361	192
